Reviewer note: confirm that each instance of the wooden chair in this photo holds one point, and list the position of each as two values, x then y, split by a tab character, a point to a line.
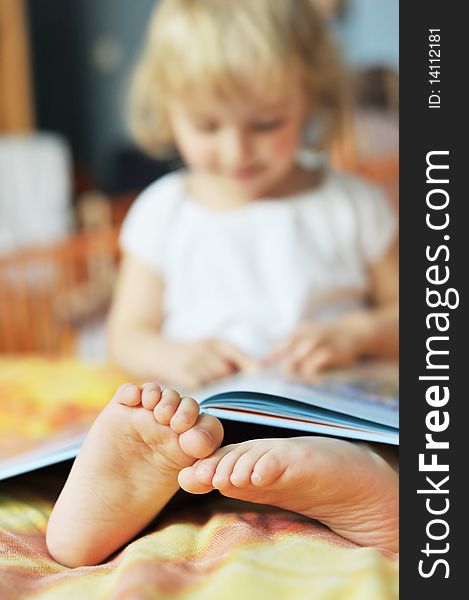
48	292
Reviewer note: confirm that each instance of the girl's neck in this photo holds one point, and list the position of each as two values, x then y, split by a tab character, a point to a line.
215	193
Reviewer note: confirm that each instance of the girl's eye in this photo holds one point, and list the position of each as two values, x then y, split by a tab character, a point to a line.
206	126
268	125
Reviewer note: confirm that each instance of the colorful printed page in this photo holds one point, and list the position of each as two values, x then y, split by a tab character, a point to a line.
358	403
46	407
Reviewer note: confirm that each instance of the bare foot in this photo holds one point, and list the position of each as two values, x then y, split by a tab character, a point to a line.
347	486
127	471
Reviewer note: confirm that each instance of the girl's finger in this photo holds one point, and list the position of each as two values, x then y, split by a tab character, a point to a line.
303	349
209	367
216	366
236	357
316	363
280	350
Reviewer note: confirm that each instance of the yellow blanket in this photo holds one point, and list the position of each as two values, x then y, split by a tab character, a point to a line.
218	549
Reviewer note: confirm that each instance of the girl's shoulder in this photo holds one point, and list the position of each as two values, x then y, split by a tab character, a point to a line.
348	187
363	208
347	194
339	191
162	195
152	218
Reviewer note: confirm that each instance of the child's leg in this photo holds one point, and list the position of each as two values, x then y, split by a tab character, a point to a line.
351	487
127	471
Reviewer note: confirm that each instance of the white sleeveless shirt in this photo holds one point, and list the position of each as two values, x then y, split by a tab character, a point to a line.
250	275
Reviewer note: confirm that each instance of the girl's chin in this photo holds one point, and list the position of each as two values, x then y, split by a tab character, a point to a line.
247	188
249	193
253	188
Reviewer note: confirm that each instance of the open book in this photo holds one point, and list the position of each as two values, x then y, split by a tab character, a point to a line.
45	415
358	403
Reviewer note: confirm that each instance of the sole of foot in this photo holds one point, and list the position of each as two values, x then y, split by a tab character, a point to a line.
347	486
127	470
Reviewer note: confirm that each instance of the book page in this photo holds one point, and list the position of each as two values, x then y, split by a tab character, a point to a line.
366	391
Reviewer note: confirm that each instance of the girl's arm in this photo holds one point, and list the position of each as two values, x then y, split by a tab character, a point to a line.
371	332
377	329
136	344
135	321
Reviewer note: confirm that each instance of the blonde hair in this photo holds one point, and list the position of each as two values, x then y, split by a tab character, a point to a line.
229	47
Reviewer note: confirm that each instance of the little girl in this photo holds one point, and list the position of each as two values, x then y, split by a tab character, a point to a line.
246	256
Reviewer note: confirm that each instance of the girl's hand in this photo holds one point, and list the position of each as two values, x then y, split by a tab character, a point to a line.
314	347
195	364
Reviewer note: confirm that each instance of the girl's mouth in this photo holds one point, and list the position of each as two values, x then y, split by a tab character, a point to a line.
245	173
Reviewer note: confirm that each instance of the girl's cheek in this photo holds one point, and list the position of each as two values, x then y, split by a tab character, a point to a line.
201	159
195	153
285	144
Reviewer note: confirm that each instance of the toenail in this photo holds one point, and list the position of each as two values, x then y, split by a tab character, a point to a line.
203	469
206	433
255	478
167	406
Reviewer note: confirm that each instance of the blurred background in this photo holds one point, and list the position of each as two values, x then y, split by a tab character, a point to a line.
69	170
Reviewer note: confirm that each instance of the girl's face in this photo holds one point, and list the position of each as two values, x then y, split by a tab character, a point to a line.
246	148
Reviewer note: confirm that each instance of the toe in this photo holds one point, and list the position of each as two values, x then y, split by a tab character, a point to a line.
205	468
267	469
189	482
128	394
205	471
185	416
151	394
202	439
221	478
167	406
243	469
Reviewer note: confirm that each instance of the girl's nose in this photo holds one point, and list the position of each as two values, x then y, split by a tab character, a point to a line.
236	147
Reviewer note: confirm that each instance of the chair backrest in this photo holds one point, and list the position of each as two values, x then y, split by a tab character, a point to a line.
47	293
